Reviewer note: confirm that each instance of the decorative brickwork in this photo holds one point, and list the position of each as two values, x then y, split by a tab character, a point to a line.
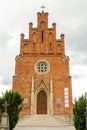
42	71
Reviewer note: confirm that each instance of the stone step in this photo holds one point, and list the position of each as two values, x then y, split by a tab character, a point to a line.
41	120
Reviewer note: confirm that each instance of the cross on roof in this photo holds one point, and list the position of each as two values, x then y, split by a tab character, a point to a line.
43	7
5	105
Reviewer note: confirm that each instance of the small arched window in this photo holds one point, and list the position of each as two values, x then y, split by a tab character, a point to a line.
25	48
59	48
50	47
33	47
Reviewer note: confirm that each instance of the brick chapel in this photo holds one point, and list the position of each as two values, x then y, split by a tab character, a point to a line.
42	71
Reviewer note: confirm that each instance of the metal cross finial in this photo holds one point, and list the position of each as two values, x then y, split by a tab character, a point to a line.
5	105
43	7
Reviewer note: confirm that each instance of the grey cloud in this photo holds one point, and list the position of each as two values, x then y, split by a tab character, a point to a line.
76	76
77	44
71	19
6	80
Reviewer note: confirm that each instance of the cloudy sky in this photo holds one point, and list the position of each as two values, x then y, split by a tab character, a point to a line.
71	19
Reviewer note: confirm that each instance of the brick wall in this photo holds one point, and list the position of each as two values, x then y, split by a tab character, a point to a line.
43	45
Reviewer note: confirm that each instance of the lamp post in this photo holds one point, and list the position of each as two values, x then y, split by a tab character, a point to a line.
86	110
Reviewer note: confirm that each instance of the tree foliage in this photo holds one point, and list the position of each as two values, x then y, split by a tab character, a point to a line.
14	99
78	111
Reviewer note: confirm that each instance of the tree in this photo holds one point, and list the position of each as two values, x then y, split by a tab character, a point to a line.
1	108
78	111
14	99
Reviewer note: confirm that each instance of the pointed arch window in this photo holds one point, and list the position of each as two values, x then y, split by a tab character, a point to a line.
33	48
42	24
50	47
42	36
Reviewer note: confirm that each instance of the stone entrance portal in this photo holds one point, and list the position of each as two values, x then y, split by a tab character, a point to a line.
41	103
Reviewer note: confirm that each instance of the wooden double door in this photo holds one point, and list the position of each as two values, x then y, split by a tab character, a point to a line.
42	102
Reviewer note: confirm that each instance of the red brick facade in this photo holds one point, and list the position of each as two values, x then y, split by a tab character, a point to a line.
43	68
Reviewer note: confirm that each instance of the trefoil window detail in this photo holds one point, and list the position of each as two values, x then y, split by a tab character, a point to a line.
42	67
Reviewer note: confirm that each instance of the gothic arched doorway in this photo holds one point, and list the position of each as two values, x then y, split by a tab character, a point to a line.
42	102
